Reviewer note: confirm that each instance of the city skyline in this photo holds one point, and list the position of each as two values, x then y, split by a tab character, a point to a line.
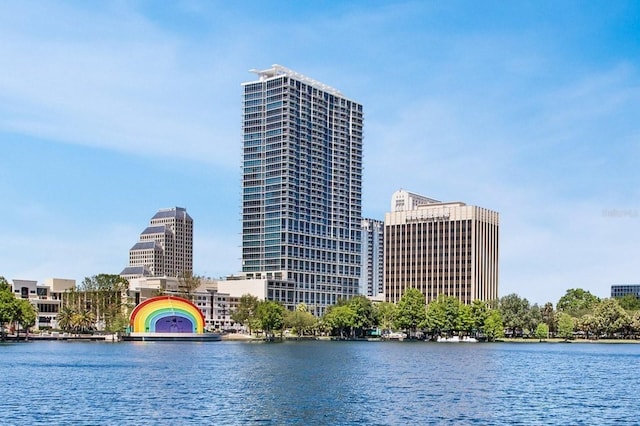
112	110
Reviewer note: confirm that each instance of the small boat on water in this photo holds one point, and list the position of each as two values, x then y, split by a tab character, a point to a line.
457	339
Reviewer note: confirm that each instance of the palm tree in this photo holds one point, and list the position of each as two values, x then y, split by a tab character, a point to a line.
85	320
65	318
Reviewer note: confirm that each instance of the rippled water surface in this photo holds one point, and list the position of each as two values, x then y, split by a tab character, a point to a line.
311	383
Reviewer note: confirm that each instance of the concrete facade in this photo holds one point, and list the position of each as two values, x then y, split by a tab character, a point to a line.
165	247
47	298
442	248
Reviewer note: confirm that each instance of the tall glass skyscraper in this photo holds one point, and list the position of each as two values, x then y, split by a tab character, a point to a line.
301	189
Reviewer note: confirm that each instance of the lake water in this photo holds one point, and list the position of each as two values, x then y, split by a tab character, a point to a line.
319	383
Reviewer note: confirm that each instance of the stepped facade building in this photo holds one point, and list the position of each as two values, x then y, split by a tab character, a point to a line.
165	247
440	248
301	189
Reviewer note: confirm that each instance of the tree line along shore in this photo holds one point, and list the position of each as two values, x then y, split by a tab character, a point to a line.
577	315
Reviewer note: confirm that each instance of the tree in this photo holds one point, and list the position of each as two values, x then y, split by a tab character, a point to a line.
493	325
514	311
577	302
105	297
588	324
532	318
65	318
542	331
629	302
188	283
9	307
411	310
270	316
83	321
387	312
479	313
245	311
612	316
300	320
635	322
436	317
565	326
27	315
365	314
549	316
340	317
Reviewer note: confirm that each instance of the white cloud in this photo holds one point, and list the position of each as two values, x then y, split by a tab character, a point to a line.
129	91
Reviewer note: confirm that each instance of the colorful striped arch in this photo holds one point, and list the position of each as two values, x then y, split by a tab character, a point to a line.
166	314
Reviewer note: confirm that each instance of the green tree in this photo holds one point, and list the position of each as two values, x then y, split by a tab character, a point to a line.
245	312
366	317
532	318
549	316
9	309
84	321
635	323
589	324
565	326
542	331
479	313
493	325
387	312
270	316
612	316
65	318
411	310
105	297
466	318
629	302
514	311
340	317
27	315
300	321
435	321
577	302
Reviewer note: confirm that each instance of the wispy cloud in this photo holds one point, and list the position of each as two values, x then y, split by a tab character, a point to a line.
125	90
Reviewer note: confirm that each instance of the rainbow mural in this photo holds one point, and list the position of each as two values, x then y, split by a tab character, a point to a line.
166	314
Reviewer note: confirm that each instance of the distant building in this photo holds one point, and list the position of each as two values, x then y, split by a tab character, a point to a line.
440	248
301	189
372	280
165	247
403	200
47	298
620	290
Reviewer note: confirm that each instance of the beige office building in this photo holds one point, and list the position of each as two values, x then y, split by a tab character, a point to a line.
165	247
440	248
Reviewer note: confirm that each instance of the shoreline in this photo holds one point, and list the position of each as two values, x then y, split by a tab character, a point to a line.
238	337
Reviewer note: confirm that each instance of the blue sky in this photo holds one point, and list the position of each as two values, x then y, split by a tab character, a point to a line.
112	110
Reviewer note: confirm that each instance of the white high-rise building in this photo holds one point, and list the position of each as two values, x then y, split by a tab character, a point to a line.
301	188
165	247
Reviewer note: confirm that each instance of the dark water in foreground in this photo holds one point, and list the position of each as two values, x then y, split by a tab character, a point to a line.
314	383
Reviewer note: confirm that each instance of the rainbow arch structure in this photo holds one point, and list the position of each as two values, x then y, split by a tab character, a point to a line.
166	314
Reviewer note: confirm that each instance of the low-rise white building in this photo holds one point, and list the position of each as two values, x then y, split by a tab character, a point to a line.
46	298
